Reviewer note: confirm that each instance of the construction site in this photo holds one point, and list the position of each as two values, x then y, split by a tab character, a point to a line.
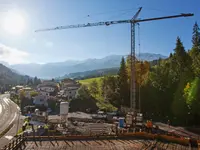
98	131
85	131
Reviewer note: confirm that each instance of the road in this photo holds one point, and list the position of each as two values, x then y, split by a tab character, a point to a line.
9	114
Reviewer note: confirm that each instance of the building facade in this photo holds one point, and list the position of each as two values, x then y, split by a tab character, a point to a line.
69	89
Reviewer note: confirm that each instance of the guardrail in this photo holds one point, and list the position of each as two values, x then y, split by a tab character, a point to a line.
15	144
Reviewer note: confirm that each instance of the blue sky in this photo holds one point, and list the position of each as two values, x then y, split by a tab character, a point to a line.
95	42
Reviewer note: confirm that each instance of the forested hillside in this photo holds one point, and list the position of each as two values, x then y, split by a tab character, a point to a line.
7	76
168	90
92	73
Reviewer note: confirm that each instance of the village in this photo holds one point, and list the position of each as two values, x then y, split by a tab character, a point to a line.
49	104
45	95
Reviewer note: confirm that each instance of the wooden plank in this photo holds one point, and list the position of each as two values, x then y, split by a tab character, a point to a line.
121	141
98	142
84	143
69	143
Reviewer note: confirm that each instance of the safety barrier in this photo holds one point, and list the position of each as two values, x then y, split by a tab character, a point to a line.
19	141
15	144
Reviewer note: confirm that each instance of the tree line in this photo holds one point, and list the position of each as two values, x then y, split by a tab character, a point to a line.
168	89
33	81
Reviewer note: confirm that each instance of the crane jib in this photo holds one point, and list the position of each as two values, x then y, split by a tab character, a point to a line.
107	23
160	18
86	25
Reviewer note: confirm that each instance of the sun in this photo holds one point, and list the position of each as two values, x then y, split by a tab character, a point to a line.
14	23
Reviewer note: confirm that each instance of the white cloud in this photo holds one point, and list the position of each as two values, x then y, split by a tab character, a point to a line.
48	44
12	55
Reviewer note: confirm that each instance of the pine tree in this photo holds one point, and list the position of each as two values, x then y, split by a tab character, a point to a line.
170	55
35	81
196	36
123	84
195	51
181	58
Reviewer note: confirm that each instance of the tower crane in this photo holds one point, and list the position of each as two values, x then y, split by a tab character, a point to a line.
132	21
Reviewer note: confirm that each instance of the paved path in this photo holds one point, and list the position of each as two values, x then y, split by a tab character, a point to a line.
9	114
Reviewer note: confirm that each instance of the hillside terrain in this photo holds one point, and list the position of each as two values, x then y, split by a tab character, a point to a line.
91	73
87	82
9	77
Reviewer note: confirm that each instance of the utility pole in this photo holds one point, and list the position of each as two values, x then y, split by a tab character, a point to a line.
132	21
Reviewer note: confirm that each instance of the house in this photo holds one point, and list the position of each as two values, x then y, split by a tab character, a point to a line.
40	100
48	88
18	89
69	89
27	91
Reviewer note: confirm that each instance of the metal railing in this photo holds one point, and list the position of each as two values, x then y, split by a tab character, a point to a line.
16	143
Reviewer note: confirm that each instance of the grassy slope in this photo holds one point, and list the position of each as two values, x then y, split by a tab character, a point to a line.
88	81
101	103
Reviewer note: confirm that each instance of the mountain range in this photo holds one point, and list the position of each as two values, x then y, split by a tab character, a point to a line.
52	70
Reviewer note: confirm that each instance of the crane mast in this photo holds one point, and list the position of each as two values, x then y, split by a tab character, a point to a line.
132	21
132	79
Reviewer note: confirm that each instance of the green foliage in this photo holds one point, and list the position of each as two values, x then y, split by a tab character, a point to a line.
169	88
109	90
196	64
103	89
29	82
179	107
21	95
87	82
83	101
123	84
196	36
172	88
93	88
33	93
36	81
191	93
181	58
83	92
195	51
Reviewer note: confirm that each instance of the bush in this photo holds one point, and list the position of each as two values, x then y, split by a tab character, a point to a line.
82	105
34	93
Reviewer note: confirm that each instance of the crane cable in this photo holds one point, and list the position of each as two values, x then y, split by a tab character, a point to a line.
140	62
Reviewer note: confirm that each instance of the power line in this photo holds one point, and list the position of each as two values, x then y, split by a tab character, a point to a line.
123	11
106	12
160	10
